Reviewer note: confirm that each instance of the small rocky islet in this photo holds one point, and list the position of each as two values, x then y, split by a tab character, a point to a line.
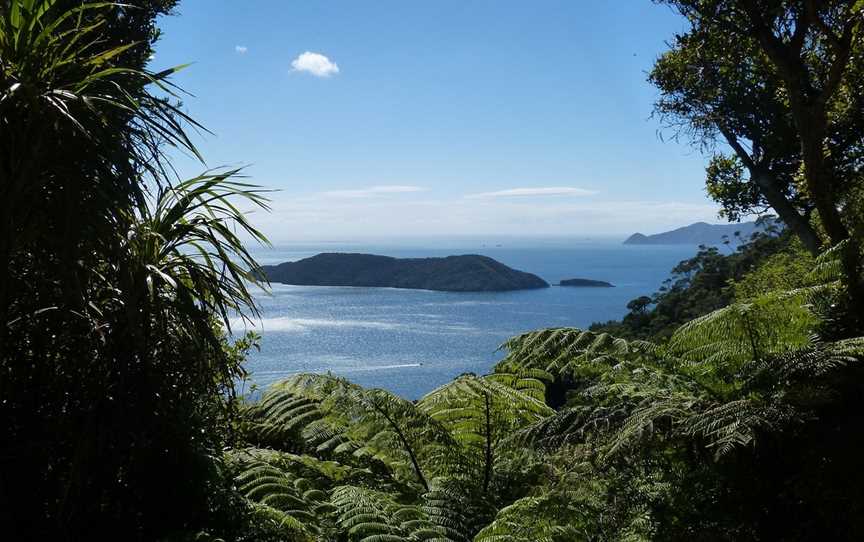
586	283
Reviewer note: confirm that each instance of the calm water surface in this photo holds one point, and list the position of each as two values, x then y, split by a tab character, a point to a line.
411	341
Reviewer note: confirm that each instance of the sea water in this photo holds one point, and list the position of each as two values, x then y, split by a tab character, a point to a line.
411	341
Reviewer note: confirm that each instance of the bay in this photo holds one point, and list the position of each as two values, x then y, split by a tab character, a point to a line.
411	341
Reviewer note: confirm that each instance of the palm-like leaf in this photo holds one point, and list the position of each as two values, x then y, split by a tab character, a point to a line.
566	352
480	413
186	246
728	337
370	516
54	64
345	418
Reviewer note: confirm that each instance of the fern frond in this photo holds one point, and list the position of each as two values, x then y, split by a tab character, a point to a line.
829	265
568	352
370	516
723	340
479	413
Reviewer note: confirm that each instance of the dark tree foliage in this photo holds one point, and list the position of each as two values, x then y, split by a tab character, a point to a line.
781	82
114	372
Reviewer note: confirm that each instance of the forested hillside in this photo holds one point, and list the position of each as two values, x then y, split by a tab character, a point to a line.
712	279
724	407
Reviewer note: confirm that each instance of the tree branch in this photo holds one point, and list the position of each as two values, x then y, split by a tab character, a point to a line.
404	442
842	48
739	149
769	188
777	51
802	26
829	34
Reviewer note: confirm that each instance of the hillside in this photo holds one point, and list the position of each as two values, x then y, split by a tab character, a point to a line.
700	233
465	273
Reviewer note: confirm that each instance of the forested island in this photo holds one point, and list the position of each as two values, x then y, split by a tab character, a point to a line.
586	283
465	273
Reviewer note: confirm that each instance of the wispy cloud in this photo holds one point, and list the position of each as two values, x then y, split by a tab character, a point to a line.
373	191
315	64
364	213
537	191
241	49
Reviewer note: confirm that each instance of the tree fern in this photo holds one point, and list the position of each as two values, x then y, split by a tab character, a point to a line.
479	413
343	418
376	467
565	351
728	337
371	516
576	506
829	265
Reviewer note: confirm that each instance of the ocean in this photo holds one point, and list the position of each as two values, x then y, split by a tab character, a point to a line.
411	341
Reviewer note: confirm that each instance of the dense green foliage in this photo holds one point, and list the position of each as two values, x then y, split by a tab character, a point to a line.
725	407
113	364
712	279
780	82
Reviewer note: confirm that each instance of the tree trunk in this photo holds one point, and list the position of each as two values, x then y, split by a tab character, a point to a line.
767	184
818	174
787	212
821	180
808	103
487	472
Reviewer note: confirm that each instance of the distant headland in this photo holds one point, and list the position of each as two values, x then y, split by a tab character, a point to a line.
465	273
702	233
586	283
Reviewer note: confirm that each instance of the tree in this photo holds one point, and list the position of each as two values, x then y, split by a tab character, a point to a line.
712	89
639	305
330	460
115	373
780	82
447	456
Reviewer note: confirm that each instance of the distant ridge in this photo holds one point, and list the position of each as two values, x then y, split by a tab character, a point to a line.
700	233
465	273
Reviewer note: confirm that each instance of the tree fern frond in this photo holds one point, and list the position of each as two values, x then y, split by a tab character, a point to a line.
293	529
369	516
456	510
568	352
480	412
342	419
729	337
829	265
735	424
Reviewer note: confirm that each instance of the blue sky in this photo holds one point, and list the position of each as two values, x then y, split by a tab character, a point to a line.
438	118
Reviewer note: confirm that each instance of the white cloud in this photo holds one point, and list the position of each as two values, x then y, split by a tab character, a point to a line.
540	191
316	64
241	49
373	191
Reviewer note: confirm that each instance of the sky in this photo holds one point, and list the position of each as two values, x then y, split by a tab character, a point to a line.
448	118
